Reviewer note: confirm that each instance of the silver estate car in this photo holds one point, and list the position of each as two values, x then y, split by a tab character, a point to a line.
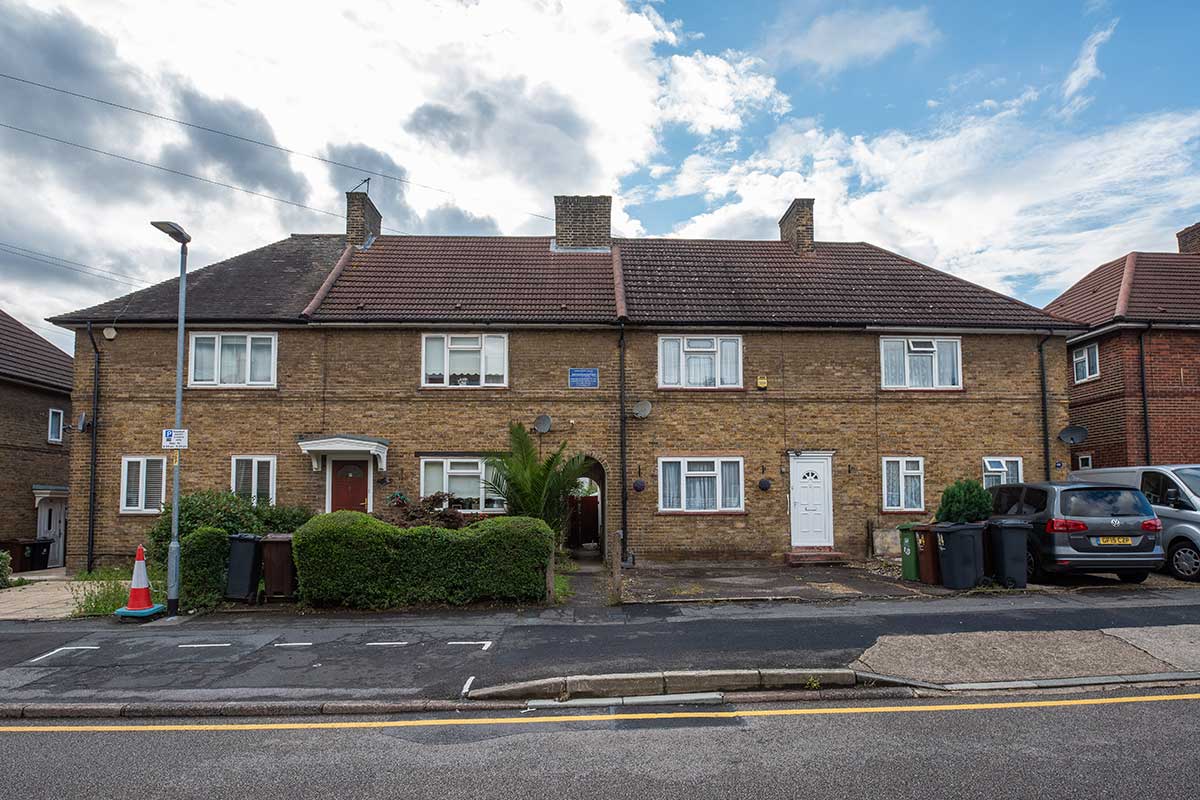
1083	527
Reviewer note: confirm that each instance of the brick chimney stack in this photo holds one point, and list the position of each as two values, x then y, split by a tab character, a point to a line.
363	220
796	225
1189	239
582	221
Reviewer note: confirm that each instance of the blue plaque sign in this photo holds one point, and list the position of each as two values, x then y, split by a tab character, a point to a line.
583	378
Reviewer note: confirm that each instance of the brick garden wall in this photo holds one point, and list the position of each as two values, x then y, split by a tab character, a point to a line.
823	394
26	457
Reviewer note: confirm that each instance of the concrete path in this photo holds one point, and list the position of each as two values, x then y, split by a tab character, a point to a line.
43	599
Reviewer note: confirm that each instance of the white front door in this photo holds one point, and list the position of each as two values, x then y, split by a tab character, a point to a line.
52	524
812	501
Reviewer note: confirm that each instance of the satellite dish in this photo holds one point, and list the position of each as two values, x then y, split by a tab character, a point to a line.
642	408
1073	434
542	423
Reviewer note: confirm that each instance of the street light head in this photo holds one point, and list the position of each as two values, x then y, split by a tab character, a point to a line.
174	231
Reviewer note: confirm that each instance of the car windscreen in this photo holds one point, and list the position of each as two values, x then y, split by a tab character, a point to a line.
1105	503
1191	477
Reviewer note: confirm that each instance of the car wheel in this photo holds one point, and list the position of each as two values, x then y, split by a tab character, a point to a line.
1184	561
1135	576
1033	567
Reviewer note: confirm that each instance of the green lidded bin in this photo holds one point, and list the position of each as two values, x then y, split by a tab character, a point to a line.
908	551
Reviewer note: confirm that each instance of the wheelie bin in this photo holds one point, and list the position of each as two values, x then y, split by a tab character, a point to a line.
909	568
245	567
1009	542
960	553
279	570
928	567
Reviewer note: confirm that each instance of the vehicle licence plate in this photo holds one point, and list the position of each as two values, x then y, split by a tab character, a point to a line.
1116	540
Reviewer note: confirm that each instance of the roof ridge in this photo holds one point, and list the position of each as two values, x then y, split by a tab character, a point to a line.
1126	285
619	284
323	290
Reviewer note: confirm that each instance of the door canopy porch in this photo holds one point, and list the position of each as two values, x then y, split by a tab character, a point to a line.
346	445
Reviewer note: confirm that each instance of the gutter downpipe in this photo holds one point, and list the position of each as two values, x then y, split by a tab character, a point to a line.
1145	397
91	532
1045	406
624	446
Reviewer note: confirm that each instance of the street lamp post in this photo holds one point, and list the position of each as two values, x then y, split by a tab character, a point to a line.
180	235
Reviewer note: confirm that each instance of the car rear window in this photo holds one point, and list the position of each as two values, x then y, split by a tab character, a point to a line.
1105	503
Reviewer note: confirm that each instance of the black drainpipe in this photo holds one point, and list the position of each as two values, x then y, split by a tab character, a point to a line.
623	445
91	534
1045	406
1145	398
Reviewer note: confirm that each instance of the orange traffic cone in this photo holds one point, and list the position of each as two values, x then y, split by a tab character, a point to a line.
140	604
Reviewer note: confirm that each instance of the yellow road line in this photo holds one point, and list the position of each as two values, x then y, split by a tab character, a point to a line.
647	715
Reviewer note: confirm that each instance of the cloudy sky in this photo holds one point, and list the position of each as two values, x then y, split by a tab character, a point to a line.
1011	143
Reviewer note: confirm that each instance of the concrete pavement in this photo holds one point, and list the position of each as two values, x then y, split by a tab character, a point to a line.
1113	745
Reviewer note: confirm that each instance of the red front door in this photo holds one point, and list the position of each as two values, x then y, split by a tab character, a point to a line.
349	486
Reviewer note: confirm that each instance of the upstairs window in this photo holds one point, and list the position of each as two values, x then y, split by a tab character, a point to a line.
1086	360
463	480
464	359
143	484
54	434
233	359
904	484
700	484
700	362
253	478
921	363
1001	470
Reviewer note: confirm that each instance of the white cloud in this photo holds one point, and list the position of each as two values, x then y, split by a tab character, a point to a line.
1086	70
709	92
988	197
847	38
931	103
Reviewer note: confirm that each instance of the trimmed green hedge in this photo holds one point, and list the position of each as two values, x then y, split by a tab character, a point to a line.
351	559
5	568
224	510
203	563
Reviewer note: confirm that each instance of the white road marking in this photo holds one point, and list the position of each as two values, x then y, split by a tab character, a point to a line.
486	645
293	644
221	644
467	686
386	644
61	649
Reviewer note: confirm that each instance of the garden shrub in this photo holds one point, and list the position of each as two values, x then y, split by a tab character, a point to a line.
282	519
964	501
224	510
5	568
203	564
352	559
434	509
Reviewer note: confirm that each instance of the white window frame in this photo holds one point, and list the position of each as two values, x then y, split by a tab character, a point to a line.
220	336
55	412
907	342
480	471
903	473
140	508
684	473
683	339
1003	473
254	498
1080	356
1085	462
446	348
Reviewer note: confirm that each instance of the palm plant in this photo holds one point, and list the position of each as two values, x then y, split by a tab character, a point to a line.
532	486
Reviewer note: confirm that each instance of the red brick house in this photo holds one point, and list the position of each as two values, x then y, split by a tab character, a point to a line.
735	398
1135	373
35	419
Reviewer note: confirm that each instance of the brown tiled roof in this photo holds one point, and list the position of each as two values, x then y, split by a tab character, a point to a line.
25	356
710	281
270	284
1154	287
471	279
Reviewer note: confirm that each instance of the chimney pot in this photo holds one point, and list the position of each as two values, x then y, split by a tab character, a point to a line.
582	221
1189	240
796	225
363	220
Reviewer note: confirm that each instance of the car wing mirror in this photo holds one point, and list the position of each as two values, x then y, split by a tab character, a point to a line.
1173	497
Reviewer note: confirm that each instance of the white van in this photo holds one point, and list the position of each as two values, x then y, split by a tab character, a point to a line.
1174	491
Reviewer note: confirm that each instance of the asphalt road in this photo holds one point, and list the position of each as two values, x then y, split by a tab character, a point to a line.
1130	750
432	655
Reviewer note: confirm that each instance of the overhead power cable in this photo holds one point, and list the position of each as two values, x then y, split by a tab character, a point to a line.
91	271
182	174
238	137
107	272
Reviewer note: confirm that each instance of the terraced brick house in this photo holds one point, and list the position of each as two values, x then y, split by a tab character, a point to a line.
1135	371
791	398
35	436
